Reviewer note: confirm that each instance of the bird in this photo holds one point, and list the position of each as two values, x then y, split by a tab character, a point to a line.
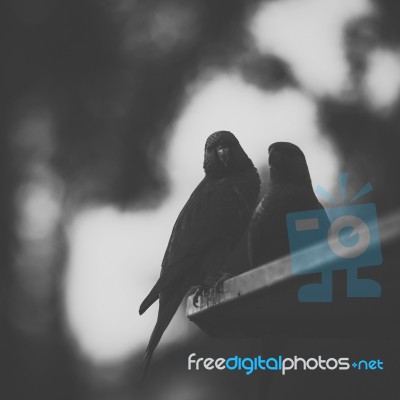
206	230
289	190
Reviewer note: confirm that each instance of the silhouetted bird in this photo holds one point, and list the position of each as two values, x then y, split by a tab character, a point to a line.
289	190
207	229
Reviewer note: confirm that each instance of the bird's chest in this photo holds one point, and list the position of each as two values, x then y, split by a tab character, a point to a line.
274	228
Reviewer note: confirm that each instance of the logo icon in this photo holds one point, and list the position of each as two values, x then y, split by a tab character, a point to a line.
344	237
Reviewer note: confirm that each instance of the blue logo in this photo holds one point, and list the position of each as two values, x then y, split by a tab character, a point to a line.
345	237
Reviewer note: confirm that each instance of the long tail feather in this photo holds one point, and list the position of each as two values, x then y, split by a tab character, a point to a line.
149	300
168	307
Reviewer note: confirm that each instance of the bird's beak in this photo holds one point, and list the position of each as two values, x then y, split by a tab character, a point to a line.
223	155
275	157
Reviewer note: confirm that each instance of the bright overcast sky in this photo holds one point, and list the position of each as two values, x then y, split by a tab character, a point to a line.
112	266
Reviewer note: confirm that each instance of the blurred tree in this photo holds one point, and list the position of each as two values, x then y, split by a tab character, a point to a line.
112	76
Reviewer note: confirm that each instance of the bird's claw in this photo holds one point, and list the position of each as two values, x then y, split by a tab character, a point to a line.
218	284
199	292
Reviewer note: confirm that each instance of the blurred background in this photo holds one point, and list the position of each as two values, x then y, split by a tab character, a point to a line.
105	107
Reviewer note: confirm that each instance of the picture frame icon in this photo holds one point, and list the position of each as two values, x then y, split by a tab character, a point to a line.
345	237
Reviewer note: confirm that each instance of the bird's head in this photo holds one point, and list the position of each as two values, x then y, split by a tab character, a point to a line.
223	155
288	164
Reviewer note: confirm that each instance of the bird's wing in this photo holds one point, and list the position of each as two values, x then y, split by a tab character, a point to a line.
216	214
269	216
216	210
253	237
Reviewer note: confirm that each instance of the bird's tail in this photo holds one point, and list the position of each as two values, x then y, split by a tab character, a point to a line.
149	300
168	307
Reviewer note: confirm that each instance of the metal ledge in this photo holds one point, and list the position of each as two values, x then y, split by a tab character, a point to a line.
263	301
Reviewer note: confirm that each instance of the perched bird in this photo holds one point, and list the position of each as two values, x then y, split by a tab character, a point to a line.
289	190
207	229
